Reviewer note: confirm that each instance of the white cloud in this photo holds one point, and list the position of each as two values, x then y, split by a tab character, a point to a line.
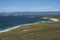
17	9
47	8
40	9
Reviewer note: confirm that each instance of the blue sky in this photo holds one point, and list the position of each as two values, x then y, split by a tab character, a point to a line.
29	5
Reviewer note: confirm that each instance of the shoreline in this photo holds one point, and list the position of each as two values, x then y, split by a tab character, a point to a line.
15	27
53	19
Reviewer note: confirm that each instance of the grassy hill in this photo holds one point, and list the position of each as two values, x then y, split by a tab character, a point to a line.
36	31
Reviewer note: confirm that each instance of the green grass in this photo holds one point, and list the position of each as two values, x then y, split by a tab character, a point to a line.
36	31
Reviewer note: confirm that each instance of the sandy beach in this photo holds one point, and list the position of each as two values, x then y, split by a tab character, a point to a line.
53	19
14	27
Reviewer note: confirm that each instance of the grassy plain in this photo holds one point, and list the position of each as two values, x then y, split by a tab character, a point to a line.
36	31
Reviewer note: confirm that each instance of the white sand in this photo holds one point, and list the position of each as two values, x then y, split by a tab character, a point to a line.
53	19
14	27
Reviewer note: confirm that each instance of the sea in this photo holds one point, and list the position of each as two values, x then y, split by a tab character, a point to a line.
12	21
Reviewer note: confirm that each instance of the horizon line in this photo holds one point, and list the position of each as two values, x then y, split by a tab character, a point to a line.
29	11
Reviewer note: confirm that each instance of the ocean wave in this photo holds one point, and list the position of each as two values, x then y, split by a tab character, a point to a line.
8	29
14	27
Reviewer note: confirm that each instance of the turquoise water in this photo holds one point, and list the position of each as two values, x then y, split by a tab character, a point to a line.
9	22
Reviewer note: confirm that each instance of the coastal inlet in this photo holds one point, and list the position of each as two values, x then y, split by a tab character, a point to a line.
14	21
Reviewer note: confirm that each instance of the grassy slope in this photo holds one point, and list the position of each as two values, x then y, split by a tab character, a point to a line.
36	31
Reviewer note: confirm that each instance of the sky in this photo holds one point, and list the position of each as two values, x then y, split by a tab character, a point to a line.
29	5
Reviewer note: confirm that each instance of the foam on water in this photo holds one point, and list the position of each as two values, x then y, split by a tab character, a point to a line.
14	27
52	19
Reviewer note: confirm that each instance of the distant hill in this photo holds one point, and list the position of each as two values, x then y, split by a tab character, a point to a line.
29	13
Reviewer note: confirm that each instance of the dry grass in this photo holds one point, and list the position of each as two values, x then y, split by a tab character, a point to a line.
37	31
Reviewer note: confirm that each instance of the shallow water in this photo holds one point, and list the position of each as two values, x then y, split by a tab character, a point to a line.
8	22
